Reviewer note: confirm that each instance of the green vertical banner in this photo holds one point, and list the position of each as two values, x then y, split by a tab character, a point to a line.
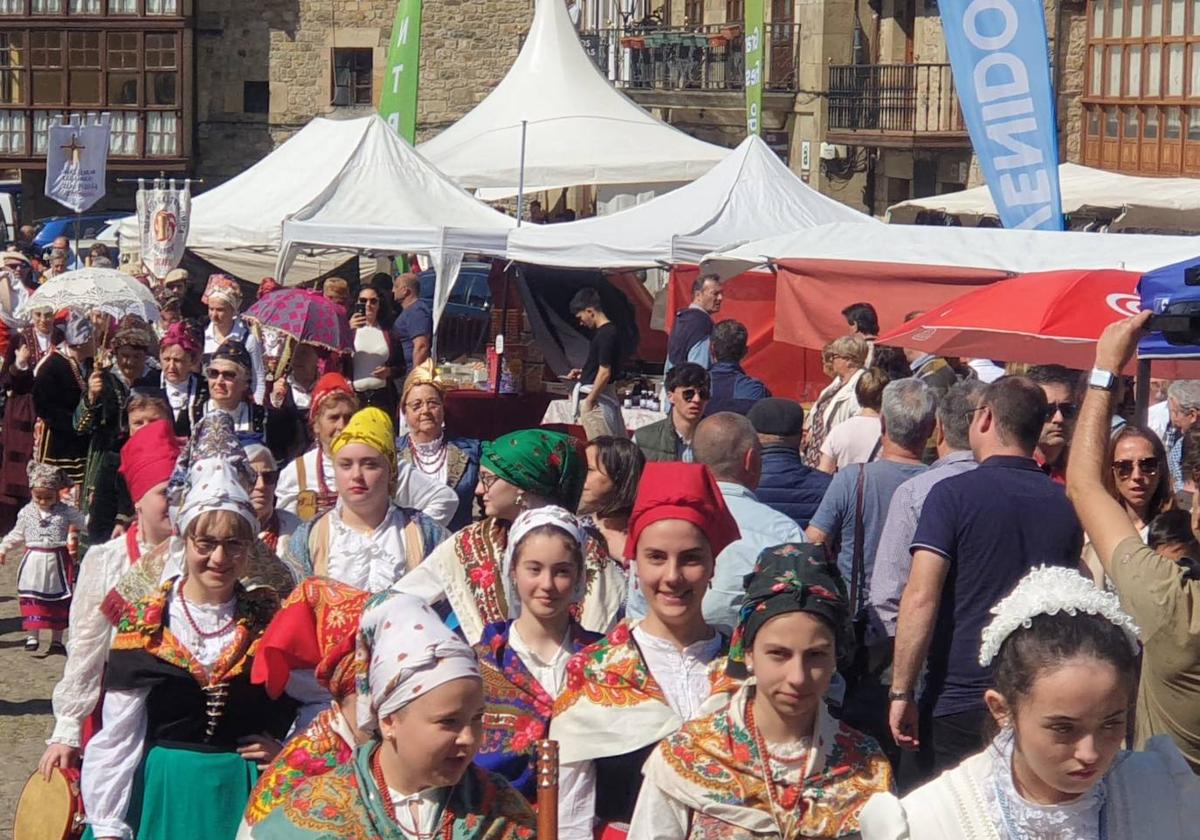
398	104
754	66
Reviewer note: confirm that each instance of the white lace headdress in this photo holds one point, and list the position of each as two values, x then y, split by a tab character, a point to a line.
1049	590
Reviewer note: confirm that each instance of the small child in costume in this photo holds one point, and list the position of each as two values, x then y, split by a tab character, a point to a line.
44	578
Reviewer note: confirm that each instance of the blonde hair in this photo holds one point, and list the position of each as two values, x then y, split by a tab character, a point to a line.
850	347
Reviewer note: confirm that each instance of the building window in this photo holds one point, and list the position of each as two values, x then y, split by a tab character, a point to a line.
85	7
12	132
352	70
256	97
122	133
735	11
12	7
693	12
47	7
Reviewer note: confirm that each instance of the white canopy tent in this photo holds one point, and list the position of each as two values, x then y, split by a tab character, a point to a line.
1016	251
749	194
1163	205
387	199
579	128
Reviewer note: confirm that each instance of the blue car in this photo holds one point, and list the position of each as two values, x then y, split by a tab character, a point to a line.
464	325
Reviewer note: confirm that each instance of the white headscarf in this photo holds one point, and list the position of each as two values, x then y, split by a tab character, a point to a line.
214	484
528	521
404	651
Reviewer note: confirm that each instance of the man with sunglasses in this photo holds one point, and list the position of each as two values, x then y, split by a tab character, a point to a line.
671	439
1061	387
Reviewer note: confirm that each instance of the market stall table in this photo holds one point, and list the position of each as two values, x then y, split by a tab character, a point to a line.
559	413
486	416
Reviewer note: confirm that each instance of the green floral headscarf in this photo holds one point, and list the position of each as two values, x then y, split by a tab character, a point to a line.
537	461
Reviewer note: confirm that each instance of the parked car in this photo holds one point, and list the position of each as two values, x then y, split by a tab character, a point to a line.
465	323
90	226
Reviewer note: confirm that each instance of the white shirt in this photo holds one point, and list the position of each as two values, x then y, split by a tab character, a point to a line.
301	396
111	760
551	675
853	440
371	561
683	677
427	804
987	370
370	351
1158	418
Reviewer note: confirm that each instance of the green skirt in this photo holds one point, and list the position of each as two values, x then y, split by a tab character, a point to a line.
183	794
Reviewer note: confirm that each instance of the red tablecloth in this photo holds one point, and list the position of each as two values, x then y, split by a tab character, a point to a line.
487	416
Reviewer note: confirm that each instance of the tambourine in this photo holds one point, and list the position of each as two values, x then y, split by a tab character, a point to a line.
50	810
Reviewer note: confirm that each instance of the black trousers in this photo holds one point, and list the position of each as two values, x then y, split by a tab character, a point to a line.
945	742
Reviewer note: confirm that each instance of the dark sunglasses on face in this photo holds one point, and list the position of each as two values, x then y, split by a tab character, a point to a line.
1068	409
1146	466
268	477
224	375
690	394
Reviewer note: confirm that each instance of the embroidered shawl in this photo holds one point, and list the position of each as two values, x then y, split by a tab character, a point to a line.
324	746
612	705
712	765
518	707
346	804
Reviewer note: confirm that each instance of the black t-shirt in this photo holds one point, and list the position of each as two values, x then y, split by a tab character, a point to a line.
605	351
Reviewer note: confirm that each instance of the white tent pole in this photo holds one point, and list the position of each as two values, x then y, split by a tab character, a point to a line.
521	175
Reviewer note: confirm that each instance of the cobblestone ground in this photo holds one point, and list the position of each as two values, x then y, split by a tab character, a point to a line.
26	682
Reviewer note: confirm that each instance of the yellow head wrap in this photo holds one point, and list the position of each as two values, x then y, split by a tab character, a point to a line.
372	427
422	374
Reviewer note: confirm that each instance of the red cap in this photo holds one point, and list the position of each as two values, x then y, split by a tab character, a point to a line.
148	457
681	491
315	628
326	387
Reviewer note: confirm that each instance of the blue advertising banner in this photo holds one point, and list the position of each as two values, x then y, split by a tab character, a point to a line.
1000	59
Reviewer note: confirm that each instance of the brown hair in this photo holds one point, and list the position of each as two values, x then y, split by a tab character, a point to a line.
869	388
1163	498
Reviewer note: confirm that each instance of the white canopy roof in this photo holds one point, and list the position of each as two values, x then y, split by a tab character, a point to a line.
581	130
1164	205
746	196
1017	251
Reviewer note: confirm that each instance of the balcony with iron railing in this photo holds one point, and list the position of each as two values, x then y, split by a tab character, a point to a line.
894	105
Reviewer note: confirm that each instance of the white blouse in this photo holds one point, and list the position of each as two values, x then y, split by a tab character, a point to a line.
427	806
1017	817
111	760
551	675
371	561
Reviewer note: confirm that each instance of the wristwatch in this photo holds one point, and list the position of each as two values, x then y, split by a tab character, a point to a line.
909	695
1102	380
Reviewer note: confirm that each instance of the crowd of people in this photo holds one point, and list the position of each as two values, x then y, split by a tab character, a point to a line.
948	600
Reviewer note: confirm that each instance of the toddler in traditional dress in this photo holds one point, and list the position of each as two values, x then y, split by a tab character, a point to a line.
44	578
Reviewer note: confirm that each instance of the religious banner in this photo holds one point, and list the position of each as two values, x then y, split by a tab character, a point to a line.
398	102
76	160
163	214
1000	59
754	66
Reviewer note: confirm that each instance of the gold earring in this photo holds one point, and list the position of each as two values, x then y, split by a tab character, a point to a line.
521	499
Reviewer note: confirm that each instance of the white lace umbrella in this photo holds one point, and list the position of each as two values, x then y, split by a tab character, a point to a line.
88	289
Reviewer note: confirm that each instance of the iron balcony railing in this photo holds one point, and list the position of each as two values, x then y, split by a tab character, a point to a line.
709	57
893	98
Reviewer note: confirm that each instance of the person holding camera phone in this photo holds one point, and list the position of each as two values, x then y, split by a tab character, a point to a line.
376	355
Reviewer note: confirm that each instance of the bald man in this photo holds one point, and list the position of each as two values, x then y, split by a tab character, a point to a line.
413	327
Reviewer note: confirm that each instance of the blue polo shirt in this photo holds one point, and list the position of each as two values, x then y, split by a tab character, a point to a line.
992	525
412	323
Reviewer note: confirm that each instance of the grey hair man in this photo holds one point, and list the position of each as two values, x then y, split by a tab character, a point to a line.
1183	401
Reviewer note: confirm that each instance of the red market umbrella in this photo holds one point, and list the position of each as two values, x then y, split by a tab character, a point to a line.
305	316
1052	317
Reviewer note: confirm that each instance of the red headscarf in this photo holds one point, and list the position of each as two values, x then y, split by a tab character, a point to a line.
148	457
328	385
177	335
315	628
681	491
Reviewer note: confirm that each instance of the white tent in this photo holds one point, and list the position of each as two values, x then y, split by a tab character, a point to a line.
1162	205
580	129
1017	251
748	195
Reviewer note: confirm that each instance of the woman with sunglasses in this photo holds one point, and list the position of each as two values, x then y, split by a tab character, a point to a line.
375	362
1138	479
671	439
847	359
275	526
228	374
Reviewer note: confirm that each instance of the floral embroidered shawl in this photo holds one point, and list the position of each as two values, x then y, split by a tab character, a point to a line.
712	765
613	706
346	804
518	707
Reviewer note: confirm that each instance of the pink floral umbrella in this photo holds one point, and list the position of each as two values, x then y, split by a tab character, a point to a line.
304	316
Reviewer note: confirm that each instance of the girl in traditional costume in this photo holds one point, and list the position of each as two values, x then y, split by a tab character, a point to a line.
428	447
314	630
45	576
524	661
1065	659
184	730
774	763
306	487
421	699
641	683
147	460
520	471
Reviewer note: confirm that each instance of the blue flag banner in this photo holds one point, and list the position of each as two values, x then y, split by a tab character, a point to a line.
1000	59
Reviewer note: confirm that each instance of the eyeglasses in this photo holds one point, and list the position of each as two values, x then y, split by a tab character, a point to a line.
428	405
1146	466
224	375
205	547
486	480
689	394
268	477
1068	409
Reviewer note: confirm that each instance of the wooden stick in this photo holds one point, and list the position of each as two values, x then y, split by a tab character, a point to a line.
547	790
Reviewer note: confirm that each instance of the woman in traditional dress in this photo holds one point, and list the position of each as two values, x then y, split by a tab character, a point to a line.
313	632
1065	657
186	390
306	486
524	661
451	460
147	460
774	763
640	683
184	730
28	348
421	699
228	373
275	526
59	381
223	297
519	471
